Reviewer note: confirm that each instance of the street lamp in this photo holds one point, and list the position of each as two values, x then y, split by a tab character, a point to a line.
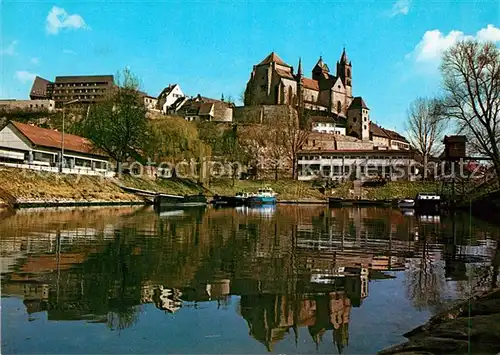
61	163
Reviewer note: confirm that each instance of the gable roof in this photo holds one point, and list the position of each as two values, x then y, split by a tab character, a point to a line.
205	109
358	102
395	135
50	138
166	91
321	65
310	84
378	131
273	58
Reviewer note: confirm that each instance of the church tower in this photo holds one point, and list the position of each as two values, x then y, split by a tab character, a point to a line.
344	72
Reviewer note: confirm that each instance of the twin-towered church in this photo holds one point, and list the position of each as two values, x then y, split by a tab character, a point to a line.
273	82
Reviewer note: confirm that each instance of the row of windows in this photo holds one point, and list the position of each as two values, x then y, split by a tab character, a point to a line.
328	131
80	84
41	105
84	97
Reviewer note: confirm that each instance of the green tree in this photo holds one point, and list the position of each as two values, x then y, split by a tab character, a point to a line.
118	124
173	140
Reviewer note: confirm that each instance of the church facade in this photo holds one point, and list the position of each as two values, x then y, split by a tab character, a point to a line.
274	82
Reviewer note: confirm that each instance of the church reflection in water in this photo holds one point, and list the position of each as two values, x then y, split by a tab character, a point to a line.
289	268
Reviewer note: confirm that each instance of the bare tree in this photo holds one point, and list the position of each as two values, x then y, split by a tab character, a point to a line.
295	135
425	127
471	76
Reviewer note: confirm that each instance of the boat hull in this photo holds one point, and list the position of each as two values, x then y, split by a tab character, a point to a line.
261	200
228	201
184	201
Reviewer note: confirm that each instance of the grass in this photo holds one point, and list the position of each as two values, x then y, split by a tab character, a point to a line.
33	185
29	185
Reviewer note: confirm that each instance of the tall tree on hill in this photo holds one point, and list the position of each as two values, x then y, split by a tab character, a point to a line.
471	80
425	126
118	125
174	140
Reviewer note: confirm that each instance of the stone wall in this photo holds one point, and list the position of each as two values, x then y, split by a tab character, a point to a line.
262	114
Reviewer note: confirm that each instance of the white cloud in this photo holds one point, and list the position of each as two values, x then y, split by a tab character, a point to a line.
69	51
400	7
490	33
24	76
434	43
10	49
35	60
58	19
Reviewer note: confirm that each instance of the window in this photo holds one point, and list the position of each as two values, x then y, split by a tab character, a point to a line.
366	119
348	72
365	127
353	119
339	106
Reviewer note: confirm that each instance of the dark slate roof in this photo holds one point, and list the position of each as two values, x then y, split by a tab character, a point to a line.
166	91
205	108
85	79
39	88
321	65
273	58
358	102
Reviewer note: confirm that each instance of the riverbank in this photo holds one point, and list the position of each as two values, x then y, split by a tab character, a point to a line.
26	188
469	327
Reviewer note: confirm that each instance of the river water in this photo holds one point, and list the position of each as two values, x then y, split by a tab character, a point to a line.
283	280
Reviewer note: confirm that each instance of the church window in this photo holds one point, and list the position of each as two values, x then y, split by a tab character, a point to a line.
339	106
354	119
365	127
348	73
366	119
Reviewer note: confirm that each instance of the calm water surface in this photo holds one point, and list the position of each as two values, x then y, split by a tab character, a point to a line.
283	280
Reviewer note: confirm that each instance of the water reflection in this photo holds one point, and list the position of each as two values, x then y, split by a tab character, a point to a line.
290	267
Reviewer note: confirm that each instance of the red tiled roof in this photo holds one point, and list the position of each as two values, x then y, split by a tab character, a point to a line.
310	84
205	108
284	73
273	58
52	139
377	131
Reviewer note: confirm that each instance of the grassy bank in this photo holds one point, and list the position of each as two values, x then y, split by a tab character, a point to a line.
24	186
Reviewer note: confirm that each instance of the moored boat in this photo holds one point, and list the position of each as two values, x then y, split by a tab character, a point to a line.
164	200
406	203
264	196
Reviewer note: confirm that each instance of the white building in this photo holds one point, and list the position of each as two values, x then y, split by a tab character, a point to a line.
24	145
328	125
355	164
150	102
170	95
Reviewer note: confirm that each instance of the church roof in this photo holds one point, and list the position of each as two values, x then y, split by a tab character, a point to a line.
310	84
358	102
343	57
273	58
284	73
321	65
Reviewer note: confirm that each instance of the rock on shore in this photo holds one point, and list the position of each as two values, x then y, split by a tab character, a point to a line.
470	327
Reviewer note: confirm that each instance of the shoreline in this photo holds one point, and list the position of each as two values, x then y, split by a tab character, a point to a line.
469	326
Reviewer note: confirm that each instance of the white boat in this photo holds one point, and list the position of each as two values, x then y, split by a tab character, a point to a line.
406	203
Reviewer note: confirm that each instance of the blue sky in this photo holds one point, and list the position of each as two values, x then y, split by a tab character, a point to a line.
210	47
